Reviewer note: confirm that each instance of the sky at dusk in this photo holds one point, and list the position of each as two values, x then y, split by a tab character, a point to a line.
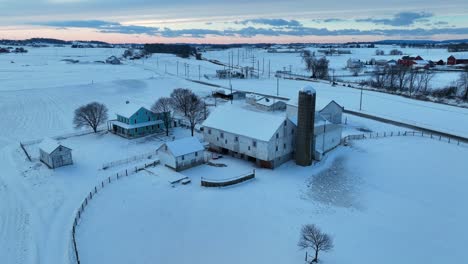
241	21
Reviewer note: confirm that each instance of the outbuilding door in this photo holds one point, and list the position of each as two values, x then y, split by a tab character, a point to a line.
57	161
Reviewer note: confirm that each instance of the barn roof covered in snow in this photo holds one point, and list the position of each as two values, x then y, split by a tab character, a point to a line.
248	123
49	145
184	146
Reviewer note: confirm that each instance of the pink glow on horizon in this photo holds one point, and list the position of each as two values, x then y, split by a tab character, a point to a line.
89	34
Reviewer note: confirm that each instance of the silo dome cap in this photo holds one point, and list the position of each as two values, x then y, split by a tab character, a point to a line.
308	89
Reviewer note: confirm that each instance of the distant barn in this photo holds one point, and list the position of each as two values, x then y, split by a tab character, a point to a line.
54	154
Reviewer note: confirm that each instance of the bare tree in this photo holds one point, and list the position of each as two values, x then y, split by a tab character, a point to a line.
180	99
396	52
318	67
196	111
91	115
164	106
463	84
411	79
401	72
313	237
425	79
356	70
379	52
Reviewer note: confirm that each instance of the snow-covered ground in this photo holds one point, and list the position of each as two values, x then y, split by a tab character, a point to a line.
293	61
378	205
39	92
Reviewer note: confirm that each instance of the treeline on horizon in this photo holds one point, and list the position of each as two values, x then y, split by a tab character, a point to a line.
182	50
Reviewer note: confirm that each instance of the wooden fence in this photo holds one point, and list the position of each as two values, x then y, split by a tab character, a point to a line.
227	182
148	155
89	197
437	137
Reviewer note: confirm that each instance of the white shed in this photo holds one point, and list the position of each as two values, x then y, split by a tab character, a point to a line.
54	154
182	154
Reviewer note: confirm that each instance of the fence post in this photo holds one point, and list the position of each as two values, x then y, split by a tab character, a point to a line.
449	140
90	195
95	189
102	184
109	179
126	173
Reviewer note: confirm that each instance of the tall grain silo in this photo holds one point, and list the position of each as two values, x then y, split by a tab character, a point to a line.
305	150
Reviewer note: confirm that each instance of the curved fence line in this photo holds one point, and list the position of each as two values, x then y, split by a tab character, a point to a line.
227	182
90	196
441	138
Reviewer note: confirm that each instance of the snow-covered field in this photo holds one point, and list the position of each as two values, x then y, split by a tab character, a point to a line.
39	92
293	61
378	205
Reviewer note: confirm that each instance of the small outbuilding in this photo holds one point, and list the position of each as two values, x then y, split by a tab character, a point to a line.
182	154
54	154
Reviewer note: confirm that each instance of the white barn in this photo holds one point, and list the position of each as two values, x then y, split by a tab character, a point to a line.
264	138
54	154
182	154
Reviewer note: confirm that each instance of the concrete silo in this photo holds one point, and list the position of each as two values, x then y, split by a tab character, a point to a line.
305	149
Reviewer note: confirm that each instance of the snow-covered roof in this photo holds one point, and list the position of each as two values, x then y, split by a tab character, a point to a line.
240	121
127	110
319	119
308	89
184	146
461	56
268	101
48	145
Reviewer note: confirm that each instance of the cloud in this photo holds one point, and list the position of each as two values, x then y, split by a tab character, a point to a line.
271	22
400	19
249	31
101	26
328	20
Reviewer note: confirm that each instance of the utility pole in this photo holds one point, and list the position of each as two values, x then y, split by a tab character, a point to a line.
199	73
323	143
269	68
258	69
277	86
263	66
188	70
360	101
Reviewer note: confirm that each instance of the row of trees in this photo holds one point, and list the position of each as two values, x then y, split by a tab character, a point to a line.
181	101
416	82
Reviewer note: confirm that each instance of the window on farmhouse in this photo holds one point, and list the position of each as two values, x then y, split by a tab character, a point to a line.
292	131
284	146
277	135
225	141
222	135
209	131
276	148
196	154
236	139
183	158
254	144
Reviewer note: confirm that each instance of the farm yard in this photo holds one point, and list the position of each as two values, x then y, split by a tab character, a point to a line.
357	195
360	193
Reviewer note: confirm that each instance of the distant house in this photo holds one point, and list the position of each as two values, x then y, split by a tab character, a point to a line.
182	154
457	59
226	94
270	104
54	154
354	63
265	103
421	64
136	121
409	61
